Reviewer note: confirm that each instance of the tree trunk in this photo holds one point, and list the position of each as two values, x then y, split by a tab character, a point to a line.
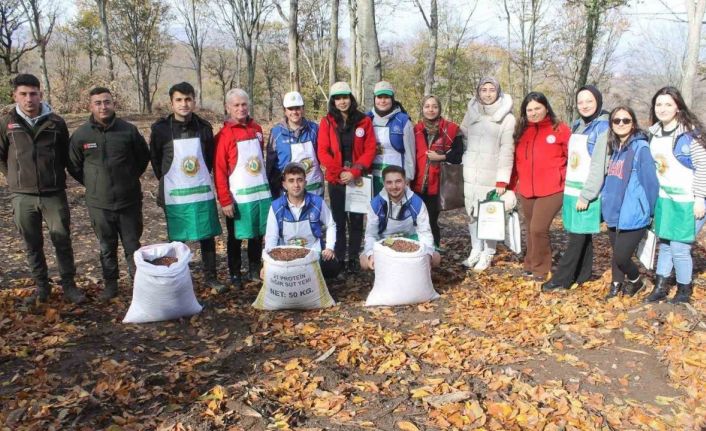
45	72
250	67
333	44
199	79
372	64
695	14
103	15
593	17
354	48
293	45
433	44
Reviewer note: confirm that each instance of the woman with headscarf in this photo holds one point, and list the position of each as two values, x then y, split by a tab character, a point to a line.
437	140
581	210
539	174
487	161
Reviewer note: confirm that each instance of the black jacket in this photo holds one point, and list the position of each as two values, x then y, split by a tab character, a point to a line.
164	131
109	162
33	159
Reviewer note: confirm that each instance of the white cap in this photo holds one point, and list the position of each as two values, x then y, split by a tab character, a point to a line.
340	88
293	98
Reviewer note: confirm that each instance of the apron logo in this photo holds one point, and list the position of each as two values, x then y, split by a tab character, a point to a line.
379	150
90	145
574	160
551	139
190	166
359	132
490	209
662	164
253	166
298	241
308	165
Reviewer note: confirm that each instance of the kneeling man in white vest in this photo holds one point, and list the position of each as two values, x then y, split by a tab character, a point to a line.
397	212
301	218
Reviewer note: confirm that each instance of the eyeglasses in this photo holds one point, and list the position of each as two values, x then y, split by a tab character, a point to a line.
625	121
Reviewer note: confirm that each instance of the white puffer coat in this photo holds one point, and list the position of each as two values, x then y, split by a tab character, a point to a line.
489	148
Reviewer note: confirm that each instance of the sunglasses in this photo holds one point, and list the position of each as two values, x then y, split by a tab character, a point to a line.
625	121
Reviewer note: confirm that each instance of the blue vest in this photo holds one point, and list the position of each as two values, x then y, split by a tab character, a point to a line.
283	138
311	211
682	149
410	208
396	124
596	127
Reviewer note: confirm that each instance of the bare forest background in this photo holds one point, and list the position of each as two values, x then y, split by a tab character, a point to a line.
139	48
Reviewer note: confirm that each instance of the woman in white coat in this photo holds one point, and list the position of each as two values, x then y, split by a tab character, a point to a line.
487	161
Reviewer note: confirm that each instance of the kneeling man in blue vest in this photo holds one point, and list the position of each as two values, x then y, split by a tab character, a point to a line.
397	212
301	218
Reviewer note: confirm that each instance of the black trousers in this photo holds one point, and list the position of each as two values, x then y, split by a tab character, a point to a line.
350	222
233	246
330	268
110	225
624	245
576	264
28	212
432	204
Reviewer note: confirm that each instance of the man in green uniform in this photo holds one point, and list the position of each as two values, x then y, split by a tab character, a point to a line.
34	144
108	155
182	149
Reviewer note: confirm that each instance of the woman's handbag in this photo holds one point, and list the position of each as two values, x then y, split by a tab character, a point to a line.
451	187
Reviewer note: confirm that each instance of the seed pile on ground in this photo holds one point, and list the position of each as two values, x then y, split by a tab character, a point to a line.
402	246
164	261
288	254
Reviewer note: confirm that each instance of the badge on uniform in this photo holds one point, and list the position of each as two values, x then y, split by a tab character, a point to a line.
13	126
90	145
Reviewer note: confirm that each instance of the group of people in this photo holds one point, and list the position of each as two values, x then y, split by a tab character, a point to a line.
603	168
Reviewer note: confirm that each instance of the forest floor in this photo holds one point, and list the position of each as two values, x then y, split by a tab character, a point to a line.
492	353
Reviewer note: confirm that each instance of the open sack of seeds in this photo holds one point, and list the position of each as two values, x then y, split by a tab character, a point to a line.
402	273
163	289
292	280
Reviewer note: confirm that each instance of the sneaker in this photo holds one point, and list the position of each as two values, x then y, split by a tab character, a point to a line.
472	259
483	262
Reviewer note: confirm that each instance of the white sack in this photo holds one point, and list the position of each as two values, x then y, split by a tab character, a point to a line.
401	278
162	292
297	284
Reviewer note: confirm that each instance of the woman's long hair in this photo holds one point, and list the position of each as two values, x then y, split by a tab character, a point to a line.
613	139
352	111
685	117
534	96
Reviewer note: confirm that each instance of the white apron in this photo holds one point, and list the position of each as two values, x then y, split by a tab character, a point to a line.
385	155
577	171
303	152
250	190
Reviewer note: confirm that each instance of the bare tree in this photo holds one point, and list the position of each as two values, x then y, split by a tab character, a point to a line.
41	15
219	63
66	69
432	23
525	26
12	46
452	54
292	22
333	44
355	52
314	28
142	43
193	14
594	13
272	64
107	46
372	63
695	15
244	19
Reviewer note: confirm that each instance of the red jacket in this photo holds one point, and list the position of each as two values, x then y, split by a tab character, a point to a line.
227	154
331	156
540	159
447	133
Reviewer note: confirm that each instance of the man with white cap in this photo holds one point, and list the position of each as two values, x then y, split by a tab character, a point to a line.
294	140
394	135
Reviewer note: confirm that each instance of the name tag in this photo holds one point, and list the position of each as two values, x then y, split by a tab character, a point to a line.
90	145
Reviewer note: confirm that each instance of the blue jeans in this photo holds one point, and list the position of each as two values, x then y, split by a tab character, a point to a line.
677	255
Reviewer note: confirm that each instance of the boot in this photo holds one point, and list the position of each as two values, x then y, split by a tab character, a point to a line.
660	291
683	294
632	287
236	282
40	295
353	266
550	285
72	293
615	289
208	260
110	291
254	275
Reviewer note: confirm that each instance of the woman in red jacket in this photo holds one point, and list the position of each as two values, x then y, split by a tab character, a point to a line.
346	149
437	140
541	147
